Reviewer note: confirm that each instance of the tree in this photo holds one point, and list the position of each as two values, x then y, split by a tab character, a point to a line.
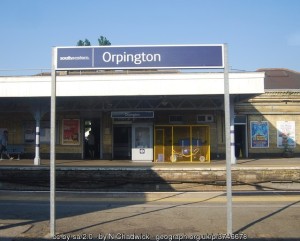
86	42
80	43
103	41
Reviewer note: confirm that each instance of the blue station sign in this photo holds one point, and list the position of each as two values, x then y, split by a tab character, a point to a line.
132	114
140	57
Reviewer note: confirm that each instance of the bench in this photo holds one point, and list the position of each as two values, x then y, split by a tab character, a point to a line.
15	150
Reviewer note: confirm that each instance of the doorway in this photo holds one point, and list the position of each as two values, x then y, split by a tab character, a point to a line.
240	141
92	127
122	142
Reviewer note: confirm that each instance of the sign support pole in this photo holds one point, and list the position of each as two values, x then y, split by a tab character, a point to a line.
52	145
228	141
65	58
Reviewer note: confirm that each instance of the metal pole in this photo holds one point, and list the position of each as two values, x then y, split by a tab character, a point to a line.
228	141
52	144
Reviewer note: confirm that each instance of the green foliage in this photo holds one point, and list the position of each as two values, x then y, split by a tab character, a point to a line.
80	43
103	41
86	42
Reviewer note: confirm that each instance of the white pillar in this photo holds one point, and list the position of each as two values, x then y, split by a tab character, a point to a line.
232	140
37	159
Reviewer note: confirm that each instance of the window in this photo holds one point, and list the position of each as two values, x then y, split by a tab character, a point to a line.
176	119
240	119
205	118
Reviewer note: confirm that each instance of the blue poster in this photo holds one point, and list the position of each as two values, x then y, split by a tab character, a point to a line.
259	134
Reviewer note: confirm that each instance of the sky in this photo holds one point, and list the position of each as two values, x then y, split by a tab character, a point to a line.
259	33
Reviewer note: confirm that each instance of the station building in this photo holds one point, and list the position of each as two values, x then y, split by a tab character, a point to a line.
152	116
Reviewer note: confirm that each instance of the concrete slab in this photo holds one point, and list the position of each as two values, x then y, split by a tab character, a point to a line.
242	163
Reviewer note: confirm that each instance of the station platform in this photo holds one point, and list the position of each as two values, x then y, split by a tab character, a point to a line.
241	163
151	176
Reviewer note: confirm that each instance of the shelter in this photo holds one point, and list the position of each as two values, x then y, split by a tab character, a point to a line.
168	116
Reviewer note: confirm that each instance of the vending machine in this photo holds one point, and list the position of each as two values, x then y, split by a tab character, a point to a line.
142	142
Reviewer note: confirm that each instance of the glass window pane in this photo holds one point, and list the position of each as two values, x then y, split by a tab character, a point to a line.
142	137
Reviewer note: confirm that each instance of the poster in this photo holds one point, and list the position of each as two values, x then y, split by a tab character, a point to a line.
45	135
286	134
70	128
259	134
29	132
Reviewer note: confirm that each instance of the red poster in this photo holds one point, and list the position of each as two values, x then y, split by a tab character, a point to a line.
71	128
